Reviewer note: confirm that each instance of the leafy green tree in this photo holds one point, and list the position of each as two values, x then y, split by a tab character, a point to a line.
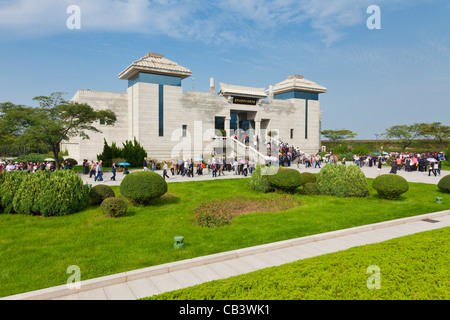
405	134
134	153
54	121
436	131
337	136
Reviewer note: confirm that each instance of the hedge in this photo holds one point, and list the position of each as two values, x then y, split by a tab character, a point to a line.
42	193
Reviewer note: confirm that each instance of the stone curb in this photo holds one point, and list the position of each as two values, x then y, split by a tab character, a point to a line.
86	285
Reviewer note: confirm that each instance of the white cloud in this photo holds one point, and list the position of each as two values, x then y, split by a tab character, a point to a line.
228	21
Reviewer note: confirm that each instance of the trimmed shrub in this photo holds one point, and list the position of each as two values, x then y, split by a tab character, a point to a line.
285	179
390	186
143	186
27	195
99	193
310	189
42	193
8	189
64	194
342	181
307	177
114	207
72	162
260	179
444	184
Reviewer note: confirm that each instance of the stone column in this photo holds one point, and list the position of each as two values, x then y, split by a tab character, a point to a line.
227	125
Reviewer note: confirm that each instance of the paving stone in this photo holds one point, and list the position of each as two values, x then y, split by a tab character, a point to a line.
143	288
119	291
95	294
165	282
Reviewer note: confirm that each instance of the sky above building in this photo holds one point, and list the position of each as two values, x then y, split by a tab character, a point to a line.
376	78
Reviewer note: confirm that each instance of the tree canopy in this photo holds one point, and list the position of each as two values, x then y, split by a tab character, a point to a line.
337	136
54	121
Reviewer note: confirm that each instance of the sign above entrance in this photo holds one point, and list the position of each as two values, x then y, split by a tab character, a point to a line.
241	100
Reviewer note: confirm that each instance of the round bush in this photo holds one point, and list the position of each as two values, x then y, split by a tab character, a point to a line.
99	193
310	189
114	207
72	162
390	186
285	179
342	181
259	180
307	177
143	186
444	184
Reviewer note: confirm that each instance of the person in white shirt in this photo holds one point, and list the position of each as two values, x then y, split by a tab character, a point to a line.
165	167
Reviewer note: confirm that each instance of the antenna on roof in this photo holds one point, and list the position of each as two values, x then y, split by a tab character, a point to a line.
193	79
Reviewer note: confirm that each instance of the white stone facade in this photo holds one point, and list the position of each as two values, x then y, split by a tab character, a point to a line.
155	97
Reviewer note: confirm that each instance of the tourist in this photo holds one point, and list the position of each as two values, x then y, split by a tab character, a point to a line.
172	168
165	167
93	169
380	165
145	165
431	168
113	170
99	171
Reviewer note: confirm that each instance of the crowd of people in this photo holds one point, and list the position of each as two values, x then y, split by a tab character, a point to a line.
28	166
219	166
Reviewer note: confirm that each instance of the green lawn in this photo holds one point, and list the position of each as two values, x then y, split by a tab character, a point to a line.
410	268
35	252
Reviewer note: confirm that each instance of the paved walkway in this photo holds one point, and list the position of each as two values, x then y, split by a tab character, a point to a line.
167	277
370	172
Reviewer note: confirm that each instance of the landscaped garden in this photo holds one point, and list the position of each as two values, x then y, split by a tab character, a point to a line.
36	249
413	267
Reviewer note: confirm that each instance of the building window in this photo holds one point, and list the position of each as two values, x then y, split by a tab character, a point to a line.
102	122
292	133
161	110
184	130
306	120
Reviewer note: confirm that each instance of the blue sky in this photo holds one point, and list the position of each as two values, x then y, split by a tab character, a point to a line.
399	74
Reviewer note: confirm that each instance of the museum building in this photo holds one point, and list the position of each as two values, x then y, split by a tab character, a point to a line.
171	124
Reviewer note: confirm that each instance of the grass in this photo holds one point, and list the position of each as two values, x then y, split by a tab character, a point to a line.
413	267
35	252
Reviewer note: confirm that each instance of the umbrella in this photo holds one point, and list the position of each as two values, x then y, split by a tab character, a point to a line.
49	159
376	153
123	164
384	152
198	159
432	160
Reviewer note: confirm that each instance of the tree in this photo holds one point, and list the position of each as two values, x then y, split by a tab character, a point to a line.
54	121
436	131
337	136
406	134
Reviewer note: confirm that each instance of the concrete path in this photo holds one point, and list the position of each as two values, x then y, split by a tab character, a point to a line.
370	172
167	277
